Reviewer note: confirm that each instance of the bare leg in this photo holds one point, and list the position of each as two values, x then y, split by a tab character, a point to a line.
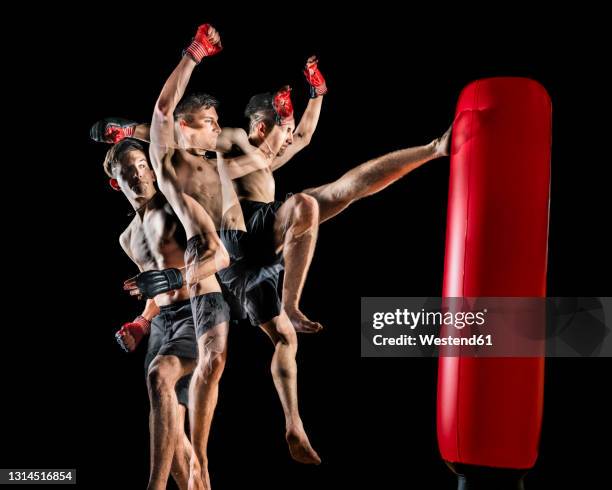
295	231
182	453
284	373
295	226
203	395
373	176
163	374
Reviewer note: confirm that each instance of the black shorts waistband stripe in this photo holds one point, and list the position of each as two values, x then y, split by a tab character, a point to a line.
185	302
176	306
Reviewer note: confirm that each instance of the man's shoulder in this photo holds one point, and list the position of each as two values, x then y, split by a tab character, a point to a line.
132	229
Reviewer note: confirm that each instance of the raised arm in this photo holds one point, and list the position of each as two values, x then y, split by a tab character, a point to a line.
211	256
162	131
308	123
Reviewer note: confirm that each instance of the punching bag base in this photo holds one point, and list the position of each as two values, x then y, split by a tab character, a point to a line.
471	477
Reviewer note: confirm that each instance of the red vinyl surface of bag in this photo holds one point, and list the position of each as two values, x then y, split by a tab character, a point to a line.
489	410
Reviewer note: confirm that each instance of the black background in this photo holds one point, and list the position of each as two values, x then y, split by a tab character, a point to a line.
72	399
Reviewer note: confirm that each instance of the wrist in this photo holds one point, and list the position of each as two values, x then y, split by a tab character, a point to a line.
195	51
148	315
144	323
318	91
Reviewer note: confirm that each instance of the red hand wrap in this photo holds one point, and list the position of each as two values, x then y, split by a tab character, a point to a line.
201	45
137	328
315	78
114	134
283	106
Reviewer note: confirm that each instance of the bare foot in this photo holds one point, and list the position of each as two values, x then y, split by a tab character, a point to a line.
301	323
300	448
442	144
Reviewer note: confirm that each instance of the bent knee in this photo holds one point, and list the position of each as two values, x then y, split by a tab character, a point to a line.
286	336
305	206
210	367
162	378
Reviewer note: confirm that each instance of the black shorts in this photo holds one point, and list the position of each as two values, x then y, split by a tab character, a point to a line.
173	334
209	310
259	218
253	275
212	308
255	290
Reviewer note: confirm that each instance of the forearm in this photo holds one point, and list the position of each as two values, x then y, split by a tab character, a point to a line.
210	260
310	119
142	132
151	310
161	131
175	86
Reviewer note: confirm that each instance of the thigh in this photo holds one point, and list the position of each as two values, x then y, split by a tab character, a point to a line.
171	367
180	339
332	198
214	340
261	300
209	310
282	221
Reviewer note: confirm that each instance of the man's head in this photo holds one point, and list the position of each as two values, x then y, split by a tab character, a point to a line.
198	121
128	168
263	123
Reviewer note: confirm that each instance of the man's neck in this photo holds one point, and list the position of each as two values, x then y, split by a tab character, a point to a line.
141	204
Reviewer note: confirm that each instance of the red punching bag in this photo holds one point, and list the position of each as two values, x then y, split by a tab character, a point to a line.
489	410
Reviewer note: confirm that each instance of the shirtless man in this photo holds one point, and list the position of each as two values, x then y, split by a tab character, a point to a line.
188	175
199	178
299	230
273	114
158	244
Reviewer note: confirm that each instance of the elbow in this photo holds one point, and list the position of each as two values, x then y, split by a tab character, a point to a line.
305	138
163	110
224	259
219	252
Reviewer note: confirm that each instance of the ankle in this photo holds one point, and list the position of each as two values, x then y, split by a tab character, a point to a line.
290	307
294	426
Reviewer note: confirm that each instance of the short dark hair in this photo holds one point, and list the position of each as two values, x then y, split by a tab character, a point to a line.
260	108
116	153
194	102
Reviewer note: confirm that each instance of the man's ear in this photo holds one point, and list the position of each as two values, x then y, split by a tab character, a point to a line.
114	184
182	123
262	130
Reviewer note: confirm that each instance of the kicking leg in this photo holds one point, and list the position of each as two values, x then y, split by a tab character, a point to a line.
373	176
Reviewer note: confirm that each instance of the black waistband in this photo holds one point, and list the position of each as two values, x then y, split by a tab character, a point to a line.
175	306
179	304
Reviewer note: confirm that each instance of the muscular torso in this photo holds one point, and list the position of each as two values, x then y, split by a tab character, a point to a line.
256	186
157	241
199	178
